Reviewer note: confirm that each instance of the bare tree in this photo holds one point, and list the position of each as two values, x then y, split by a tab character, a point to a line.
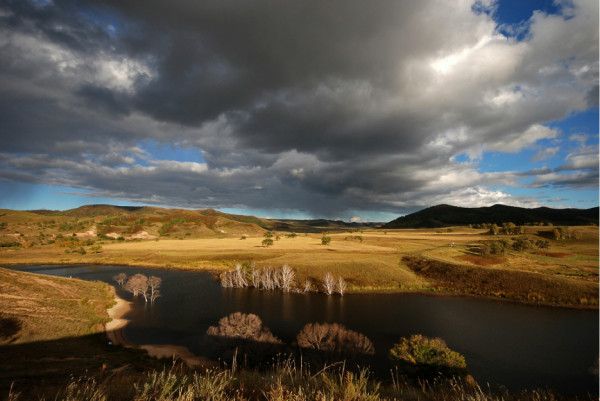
239	277
154	284
244	326
255	276
307	285
329	283
333	337
341	286
226	279
268	283
288	277
120	278
138	285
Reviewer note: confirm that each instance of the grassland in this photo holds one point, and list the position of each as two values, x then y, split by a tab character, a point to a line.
369	259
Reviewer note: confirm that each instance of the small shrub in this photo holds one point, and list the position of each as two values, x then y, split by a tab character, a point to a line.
334	337
325	240
428	353
522	244
246	326
267	242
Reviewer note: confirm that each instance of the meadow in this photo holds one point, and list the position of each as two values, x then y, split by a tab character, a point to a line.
370	260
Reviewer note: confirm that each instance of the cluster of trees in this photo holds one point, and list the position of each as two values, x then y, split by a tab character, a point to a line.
284	278
500	247
358	238
506	229
266	279
334	338
562	233
327	337
139	284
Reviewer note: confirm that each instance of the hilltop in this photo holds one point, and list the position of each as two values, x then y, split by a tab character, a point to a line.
447	215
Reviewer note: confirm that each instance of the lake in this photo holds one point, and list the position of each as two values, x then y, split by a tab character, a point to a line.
508	344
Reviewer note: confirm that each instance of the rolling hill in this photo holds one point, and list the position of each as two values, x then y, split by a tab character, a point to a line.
447	215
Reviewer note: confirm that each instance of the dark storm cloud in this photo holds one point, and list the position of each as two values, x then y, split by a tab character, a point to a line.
315	106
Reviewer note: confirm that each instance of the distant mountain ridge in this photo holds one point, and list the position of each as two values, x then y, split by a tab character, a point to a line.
166	214
447	215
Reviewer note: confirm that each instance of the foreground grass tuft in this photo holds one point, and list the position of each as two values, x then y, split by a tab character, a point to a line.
285	381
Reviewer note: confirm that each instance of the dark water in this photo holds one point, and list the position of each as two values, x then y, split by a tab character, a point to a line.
506	344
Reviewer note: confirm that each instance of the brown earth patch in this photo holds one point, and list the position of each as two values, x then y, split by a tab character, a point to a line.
554	254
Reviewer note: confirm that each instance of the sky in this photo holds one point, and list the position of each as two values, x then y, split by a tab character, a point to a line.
339	109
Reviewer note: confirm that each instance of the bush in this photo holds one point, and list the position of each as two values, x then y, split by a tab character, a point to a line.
493	248
325	240
522	244
334	338
245	326
267	242
426	353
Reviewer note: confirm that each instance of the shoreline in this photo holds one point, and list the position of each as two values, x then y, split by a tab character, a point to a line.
435	292
115	332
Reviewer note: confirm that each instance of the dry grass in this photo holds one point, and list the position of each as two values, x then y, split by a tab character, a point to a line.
52	307
371	264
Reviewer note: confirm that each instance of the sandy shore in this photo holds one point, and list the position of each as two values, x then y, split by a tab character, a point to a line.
114	328
116	335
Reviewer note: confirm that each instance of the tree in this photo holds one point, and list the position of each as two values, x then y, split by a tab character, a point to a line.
239	277
267	242
268	234
243	326
287	278
329	283
334	337
154	284
120	278
325	240
494	229
341	286
138	285
307	285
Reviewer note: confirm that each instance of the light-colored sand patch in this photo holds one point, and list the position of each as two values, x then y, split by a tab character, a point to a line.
142	235
91	233
178	352
114	328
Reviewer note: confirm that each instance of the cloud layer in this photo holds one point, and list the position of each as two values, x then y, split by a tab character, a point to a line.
323	107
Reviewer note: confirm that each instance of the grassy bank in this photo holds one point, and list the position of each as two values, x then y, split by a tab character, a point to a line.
52	328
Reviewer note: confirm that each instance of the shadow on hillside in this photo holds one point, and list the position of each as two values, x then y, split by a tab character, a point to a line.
33	368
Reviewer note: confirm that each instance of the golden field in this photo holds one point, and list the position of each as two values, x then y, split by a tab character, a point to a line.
369	259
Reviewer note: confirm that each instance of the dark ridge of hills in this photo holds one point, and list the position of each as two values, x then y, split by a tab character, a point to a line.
447	215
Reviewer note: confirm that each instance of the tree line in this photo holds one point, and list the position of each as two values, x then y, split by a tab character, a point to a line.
413	351
283	278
